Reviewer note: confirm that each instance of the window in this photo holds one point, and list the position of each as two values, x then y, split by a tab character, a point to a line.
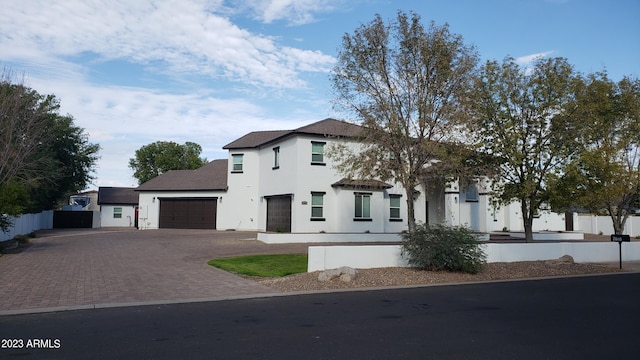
117	213
363	206
394	207
276	157
471	193
317	203
237	162
317	153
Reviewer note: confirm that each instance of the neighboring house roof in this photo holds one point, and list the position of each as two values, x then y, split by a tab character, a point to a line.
212	176
117	196
326	127
361	184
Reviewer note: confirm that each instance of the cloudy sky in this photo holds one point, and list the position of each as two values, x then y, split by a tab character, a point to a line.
132	72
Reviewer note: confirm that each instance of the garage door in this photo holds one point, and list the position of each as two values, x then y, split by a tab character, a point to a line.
180	213
279	213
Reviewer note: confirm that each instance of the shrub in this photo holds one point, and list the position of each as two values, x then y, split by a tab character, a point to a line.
442	247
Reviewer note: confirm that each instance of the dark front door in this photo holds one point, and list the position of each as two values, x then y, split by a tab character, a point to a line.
188	213
279	213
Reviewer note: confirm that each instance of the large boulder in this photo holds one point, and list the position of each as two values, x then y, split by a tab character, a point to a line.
345	274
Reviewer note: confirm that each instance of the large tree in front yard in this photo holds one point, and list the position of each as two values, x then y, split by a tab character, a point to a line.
404	83
605	177
521	117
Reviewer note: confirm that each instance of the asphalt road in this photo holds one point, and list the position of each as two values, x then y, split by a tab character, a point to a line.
593	317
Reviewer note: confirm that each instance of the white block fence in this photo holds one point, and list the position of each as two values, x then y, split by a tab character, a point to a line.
374	256
27	223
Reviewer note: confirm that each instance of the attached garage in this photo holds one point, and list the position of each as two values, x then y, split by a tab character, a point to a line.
188	213
279	213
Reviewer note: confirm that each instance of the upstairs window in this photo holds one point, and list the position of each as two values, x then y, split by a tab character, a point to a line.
471	193
237	163
276	157
317	153
362	206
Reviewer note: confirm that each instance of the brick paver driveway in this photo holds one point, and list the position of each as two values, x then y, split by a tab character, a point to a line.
66	269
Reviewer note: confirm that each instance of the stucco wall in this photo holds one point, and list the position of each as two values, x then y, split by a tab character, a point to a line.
375	256
127	219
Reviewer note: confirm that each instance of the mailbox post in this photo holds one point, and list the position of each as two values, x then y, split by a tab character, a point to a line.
620	239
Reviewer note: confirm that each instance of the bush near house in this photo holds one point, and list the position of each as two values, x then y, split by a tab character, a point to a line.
443	247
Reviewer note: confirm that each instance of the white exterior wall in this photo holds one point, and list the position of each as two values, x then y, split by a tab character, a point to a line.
296	175
127	219
239	207
375	256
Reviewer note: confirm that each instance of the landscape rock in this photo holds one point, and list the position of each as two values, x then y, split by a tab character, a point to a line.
564	259
345	274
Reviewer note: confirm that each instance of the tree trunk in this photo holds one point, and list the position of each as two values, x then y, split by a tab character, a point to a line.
411	213
527	218
619	221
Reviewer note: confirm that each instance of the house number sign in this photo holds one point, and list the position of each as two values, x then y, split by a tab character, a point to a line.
620	239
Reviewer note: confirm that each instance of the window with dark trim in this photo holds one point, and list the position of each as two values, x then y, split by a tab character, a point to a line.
317	206
394	207
117	213
237	163
317	153
276	157
362	206
471	193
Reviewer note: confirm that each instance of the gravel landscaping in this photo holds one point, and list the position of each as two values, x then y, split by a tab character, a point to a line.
389	277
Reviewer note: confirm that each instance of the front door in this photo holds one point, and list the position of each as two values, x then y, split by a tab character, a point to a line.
279	213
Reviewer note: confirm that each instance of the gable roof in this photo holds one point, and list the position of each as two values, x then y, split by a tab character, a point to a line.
211	176
326	127
117	196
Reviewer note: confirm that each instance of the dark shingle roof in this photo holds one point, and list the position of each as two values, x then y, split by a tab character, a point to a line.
212	176
117	196
326	127
361	184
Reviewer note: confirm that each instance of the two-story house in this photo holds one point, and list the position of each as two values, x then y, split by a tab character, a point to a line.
283	181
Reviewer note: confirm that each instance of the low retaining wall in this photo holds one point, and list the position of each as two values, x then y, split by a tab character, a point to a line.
375	256
288	238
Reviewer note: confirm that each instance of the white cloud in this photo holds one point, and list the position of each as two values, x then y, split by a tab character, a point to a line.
202	64
528	59
186	35
122	119
295	12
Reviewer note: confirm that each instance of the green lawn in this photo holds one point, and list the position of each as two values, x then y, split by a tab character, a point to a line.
277	265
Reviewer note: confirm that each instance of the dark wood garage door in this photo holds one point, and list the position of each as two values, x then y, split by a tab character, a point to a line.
188	213
279	213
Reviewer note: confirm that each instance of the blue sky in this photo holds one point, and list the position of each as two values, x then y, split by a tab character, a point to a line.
132	72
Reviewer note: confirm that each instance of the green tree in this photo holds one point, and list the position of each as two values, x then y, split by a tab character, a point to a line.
44	157
605	176
520	117
404	84
74	159
24	120
161	156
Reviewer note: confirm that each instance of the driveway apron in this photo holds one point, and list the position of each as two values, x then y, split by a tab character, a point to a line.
65	269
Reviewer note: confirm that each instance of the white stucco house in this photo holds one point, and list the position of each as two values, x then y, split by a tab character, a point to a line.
282	181
118	206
